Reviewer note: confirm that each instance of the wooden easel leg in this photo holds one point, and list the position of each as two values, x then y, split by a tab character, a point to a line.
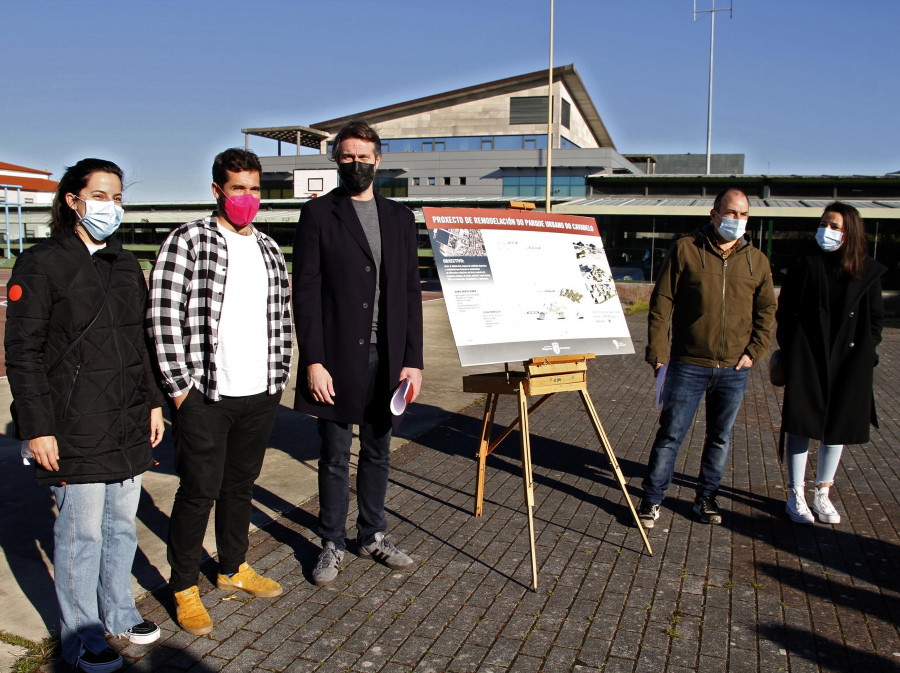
528	479
614	464
487	424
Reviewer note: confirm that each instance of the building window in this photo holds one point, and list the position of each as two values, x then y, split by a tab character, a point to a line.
462	182
392	187
533	185
567	144
431	182
446	182
465	143
566	113
415	182
528	110
277	189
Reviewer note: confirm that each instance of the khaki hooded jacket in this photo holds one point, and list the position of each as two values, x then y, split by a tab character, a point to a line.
718	309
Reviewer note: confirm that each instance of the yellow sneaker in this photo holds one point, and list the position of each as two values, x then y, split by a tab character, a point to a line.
190	613
246	579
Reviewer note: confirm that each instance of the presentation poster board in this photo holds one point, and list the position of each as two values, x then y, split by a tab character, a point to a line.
521	285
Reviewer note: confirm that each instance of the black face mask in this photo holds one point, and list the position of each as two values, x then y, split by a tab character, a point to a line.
356	176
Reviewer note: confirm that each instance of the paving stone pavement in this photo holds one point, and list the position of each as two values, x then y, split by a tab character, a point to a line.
757	593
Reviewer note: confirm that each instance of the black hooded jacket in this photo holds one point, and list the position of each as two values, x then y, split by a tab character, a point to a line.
96	397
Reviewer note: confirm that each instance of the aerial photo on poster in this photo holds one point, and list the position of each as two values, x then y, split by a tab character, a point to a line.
521	285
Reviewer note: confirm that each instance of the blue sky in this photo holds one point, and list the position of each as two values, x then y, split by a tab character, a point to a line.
801	86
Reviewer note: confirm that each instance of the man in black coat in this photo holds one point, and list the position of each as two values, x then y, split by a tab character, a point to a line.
358	314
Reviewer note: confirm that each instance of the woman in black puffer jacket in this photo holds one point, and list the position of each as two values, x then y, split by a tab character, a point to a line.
86	400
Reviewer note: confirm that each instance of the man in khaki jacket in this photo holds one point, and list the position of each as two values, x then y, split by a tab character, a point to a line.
715	292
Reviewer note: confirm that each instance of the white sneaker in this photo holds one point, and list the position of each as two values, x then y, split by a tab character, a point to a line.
823	508
796	507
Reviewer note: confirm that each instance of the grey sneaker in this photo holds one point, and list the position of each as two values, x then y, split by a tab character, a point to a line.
327	565
648	513
383	551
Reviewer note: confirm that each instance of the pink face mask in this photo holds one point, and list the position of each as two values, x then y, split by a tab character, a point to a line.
240	210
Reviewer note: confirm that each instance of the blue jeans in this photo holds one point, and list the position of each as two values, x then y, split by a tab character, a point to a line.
95	540
683	389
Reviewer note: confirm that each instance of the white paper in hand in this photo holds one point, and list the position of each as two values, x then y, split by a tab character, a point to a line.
402	397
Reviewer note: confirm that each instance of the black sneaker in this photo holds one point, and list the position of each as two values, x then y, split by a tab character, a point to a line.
648	513
707	509
106	661
143	634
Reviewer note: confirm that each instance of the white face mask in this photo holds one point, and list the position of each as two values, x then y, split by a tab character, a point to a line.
731	228
829	239
101	218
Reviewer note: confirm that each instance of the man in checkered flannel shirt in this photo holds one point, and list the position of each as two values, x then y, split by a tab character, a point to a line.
224	351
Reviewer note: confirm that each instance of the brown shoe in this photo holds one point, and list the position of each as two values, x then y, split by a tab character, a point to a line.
190	613
247	580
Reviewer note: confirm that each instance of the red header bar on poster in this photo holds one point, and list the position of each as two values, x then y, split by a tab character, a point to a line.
490	218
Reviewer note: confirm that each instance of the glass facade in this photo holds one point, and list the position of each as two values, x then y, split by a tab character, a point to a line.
466	143
277	189
392	187
534	185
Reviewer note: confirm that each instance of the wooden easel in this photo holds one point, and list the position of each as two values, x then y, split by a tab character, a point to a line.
543	376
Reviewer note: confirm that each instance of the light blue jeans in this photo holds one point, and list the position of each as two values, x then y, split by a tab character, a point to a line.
95	541
798	449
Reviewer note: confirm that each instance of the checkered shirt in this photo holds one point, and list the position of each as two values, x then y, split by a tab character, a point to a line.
187	286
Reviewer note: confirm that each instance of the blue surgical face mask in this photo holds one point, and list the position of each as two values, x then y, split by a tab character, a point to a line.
829	239
101	218
731	228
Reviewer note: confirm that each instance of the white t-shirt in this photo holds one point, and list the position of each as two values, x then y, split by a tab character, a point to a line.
242	354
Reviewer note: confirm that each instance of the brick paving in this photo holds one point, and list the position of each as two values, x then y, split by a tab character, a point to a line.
757	593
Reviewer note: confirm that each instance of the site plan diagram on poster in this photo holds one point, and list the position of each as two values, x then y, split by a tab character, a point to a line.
519	285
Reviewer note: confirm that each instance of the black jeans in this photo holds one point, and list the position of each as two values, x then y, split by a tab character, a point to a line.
374	464
219	450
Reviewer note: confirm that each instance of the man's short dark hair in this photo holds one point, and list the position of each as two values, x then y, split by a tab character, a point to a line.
717	204
359	129
235	160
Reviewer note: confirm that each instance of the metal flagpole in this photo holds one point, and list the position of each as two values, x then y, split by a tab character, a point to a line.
712	37
550	112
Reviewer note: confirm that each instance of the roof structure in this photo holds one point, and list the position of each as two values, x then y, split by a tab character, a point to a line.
298	135
311	136
772	207
564	73
30	184
21	169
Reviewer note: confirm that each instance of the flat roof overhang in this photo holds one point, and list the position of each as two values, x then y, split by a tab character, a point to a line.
876	209
296	135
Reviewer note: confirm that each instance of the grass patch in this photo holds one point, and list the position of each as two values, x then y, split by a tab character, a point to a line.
38	653
637	306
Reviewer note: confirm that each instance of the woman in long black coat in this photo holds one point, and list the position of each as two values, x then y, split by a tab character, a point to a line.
830	316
